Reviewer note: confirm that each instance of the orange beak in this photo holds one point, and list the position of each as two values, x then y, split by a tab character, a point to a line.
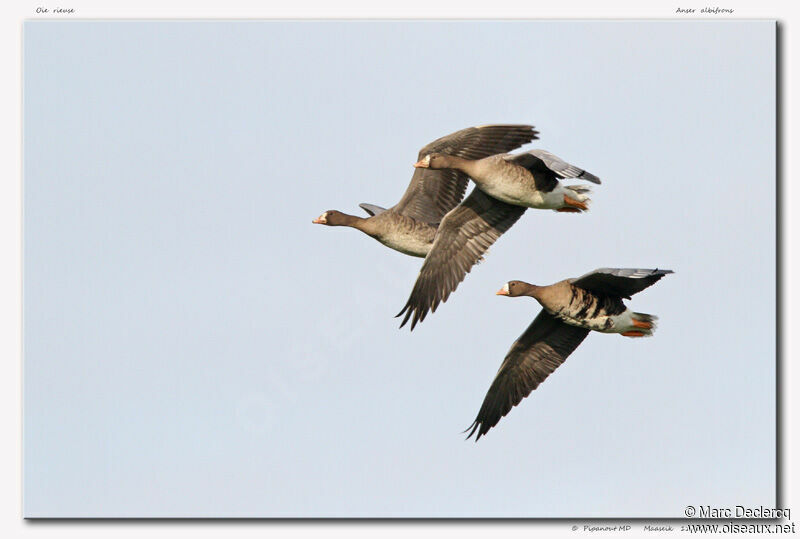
319	221
501	292
421	164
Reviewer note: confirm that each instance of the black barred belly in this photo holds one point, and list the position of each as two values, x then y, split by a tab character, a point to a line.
591	311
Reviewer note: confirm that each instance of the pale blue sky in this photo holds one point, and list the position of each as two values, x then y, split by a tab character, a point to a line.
194	346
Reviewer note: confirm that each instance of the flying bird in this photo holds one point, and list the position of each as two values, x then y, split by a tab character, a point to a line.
505	186
410	226
570	309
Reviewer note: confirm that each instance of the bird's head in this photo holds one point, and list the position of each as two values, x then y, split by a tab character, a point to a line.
434	161
514	289
330	218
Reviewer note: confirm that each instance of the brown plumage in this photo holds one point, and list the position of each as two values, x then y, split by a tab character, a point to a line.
464	236
506	185
410	225
571	308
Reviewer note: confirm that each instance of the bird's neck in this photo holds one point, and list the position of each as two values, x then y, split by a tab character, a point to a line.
458	163
533	291
353	221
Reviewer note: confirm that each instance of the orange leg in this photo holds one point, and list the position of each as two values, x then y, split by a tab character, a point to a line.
640	324
575	204
633	334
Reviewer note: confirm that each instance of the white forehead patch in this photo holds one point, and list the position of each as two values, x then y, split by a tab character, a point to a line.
505	288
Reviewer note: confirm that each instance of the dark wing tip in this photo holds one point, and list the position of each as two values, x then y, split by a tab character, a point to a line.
518	126
520	129
589	177
472	428
656	275
659	273
409	310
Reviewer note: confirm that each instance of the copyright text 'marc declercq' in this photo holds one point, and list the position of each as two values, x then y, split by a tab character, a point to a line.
739	511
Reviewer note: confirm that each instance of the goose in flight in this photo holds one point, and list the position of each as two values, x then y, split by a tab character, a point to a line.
570	309
529	179
410	226
505	186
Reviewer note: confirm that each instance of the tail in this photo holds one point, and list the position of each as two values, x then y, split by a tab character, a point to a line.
642	325
577	199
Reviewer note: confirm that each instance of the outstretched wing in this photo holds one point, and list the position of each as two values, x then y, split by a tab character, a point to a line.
561	168
544	179
461	240
433	193
621	282
539	351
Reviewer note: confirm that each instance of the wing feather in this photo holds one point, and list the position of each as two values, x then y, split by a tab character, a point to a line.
539	351
464	235
622	282
433	193
562	168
